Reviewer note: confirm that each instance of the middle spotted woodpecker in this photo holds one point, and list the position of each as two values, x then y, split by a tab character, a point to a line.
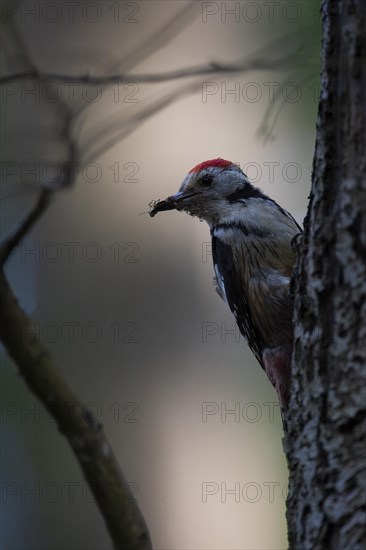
253	258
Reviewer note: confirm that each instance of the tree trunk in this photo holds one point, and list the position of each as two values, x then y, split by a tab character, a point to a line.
325	425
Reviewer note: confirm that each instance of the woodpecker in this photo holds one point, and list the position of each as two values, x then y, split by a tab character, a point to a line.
253	258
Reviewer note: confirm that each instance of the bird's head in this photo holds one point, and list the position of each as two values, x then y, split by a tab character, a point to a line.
210	191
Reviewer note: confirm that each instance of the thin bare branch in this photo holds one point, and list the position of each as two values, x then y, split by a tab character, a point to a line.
263	59
85	435
12	241
83	432
115	131
214	67
164	34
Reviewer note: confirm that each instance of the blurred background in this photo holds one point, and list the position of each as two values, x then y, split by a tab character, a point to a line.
125	303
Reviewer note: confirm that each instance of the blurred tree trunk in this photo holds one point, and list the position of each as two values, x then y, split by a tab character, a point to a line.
326	423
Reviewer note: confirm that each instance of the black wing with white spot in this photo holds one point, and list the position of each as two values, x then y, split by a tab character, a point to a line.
232	288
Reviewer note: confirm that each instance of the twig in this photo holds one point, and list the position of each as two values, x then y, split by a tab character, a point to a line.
34	214
117	131
85	435
198	70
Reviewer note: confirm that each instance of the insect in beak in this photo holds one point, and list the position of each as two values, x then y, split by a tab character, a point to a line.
174	202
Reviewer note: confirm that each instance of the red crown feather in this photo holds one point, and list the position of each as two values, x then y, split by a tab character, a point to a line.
214	163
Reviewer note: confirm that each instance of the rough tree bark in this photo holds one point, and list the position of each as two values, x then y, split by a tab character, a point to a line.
325	426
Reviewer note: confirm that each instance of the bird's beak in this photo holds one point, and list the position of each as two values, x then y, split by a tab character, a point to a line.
174	202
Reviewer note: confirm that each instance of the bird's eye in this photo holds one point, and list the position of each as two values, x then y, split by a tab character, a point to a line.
206	180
